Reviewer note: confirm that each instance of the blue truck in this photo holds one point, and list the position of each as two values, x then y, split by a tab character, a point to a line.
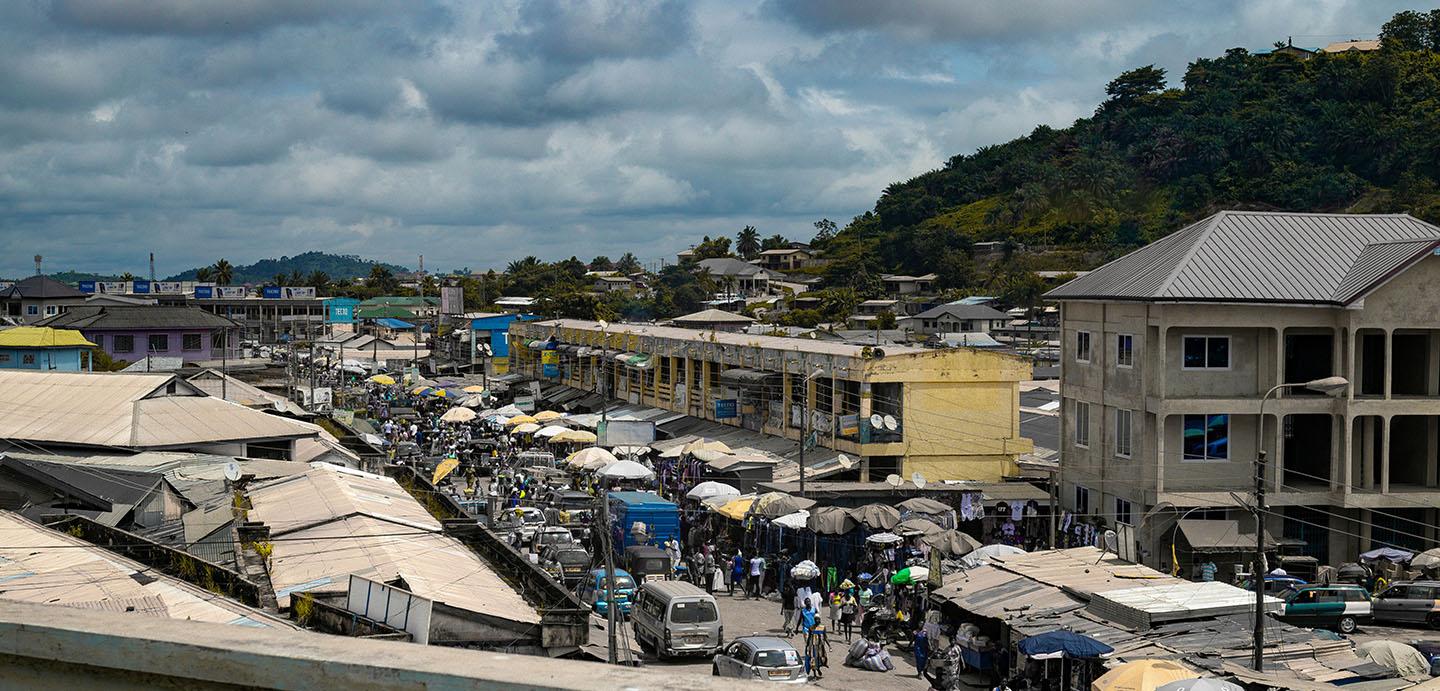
661	519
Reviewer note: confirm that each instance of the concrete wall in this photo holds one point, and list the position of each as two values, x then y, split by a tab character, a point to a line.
54	359
174	346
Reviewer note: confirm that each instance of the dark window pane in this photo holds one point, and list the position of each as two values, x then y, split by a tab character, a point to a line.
1217	436
1194	352
1219	352
1194	433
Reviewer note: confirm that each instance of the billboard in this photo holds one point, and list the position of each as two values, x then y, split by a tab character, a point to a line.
550	363
452	300
114	287
140	287
230	291
167	287
204	292
270	292
87	286
726	408
299	292
625	433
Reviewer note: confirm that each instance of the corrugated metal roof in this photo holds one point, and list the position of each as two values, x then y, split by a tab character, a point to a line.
1251	256
137	318
42	337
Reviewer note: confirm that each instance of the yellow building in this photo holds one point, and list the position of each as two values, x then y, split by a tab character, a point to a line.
947	414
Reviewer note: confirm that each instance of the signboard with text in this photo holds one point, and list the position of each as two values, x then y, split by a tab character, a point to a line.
270	292
87	286
114	287
726	408
204	292
297	292
550	363
140	287
231	291
452	300
167	287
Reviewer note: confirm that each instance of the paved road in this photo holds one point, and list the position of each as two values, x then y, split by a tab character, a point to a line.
1374	632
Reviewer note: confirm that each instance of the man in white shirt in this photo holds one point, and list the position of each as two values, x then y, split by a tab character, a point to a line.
757	567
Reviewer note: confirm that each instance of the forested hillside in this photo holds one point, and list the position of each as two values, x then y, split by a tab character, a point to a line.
1355	132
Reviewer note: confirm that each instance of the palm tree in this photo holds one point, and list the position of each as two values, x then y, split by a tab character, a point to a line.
522	265
127	276
628	264
223	272
381	279
204	274
747	242
319	279
281	279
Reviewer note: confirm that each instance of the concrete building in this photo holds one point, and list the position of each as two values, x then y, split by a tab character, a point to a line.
788	258
897	284
1168	351
340	310
736	277
45	349
714	320
948	414
130	333
956	318
38	297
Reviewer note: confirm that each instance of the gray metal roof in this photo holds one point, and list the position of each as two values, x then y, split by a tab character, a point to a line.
959	311
1254	256
137	318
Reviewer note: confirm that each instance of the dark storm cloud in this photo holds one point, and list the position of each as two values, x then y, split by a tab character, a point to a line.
200	17
577	32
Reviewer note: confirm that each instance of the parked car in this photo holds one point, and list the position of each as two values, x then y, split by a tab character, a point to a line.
760	657
1277	586
677	618
550	535
1338	607
520	523
592	591
1409	602
566	563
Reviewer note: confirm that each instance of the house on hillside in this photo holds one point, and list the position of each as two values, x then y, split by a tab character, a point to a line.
45	349
1352	46
30	300
956	317
130	333
736	277
788	258
899	284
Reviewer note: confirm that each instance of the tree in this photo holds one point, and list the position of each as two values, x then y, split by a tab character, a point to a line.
319	279
824	232
382	280
521	266
774	242
127	276
712	248
1408	30
747	242
224	272
628	264
602	263
204	274
1131	85
885	320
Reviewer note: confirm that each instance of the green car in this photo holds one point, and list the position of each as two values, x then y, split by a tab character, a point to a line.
1338	607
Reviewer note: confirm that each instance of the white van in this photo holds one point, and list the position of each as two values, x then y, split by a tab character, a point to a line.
677	618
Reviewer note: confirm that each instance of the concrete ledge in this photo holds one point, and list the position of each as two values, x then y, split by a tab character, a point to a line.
58	647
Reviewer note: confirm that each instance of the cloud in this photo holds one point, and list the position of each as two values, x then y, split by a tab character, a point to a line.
198	17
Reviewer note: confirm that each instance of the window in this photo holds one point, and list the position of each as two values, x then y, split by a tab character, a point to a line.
51	310
695	612
190	342
32	310
122	343
1122	433
1082	346
1082	424
1122	511
27	359
1125	350
159	343
1207	352
1082	500
1207	437
4	357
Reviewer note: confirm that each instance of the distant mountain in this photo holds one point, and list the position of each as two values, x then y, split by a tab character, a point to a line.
336	266
73	277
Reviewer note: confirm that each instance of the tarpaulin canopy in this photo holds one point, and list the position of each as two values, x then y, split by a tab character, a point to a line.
1427	559
711	488
876	516
777	504
924	505
626	470
736	508
1398	556
394	323
952	543
918	526
794	521
831	520
1404	659
1062	643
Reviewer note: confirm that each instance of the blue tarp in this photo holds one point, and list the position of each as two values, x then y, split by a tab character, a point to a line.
1063	643
389	323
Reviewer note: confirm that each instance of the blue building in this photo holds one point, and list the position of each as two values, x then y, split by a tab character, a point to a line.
340	310
489	335
44	348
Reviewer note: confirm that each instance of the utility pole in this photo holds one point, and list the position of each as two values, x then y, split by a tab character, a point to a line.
610	605
805	422
224	362
310	363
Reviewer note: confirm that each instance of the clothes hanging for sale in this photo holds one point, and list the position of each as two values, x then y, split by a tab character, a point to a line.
1017	511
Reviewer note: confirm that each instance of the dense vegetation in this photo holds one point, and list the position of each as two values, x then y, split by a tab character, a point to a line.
294	270
1355	132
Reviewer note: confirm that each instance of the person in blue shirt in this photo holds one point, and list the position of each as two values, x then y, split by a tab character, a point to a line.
737	572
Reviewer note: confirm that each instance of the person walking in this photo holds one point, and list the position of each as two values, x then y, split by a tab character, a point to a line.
922	651
848	608
737	573
834	602
788	597
757	569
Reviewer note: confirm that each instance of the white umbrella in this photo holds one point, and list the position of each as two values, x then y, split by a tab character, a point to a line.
710	488
805	570
525	428
551	430
884	538
587	456
626	470
458	415
795	520
631	450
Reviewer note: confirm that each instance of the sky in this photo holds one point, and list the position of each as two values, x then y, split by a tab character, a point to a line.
479	132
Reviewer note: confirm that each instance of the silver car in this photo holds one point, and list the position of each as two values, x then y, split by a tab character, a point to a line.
760	657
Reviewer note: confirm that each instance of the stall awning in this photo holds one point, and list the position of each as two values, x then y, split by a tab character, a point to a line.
1222	536
744	376
636	360
394	323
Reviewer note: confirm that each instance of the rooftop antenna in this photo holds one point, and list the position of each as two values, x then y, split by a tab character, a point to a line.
37	264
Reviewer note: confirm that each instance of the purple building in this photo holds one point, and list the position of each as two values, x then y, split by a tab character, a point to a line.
131	333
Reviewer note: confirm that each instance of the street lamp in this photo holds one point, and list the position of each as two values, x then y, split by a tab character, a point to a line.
805	420
1331	386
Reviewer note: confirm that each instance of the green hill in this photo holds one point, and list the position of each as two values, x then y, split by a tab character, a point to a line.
334	266
1354	132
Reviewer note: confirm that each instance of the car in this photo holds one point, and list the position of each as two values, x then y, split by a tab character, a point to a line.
1338	607
1277	586
550	535
519	522
675	618
760	657
1409	602
593	589
566	563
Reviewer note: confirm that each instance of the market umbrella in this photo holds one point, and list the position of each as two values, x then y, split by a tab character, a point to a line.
1062	643
474	388
474	402
952	543
458	415
522	419
551	430
1141	675
884	538
877	516
1200	684
736	508
1398	556
383	379
910	574
593	453
626	470
444	468
1404	659
631	450
983	555
437	393
929	507
525	428
548	416
596	464
831	520
805	570
1430	558
794	521
575	436
777	504
419	390
918	526
711	488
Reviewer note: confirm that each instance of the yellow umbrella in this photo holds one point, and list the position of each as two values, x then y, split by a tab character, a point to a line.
474	388
548	415
575	435
1141	675
383	379
443	469
520	420
737	508
416	391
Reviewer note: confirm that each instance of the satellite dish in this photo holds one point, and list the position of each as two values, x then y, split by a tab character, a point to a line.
893	480
232	471
918	479
877	422
1112	542
890	423
846	462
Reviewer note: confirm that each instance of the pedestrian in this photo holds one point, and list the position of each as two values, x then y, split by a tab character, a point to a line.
737	573
922	651
788	597
834	601
848	608
807	617
757	568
